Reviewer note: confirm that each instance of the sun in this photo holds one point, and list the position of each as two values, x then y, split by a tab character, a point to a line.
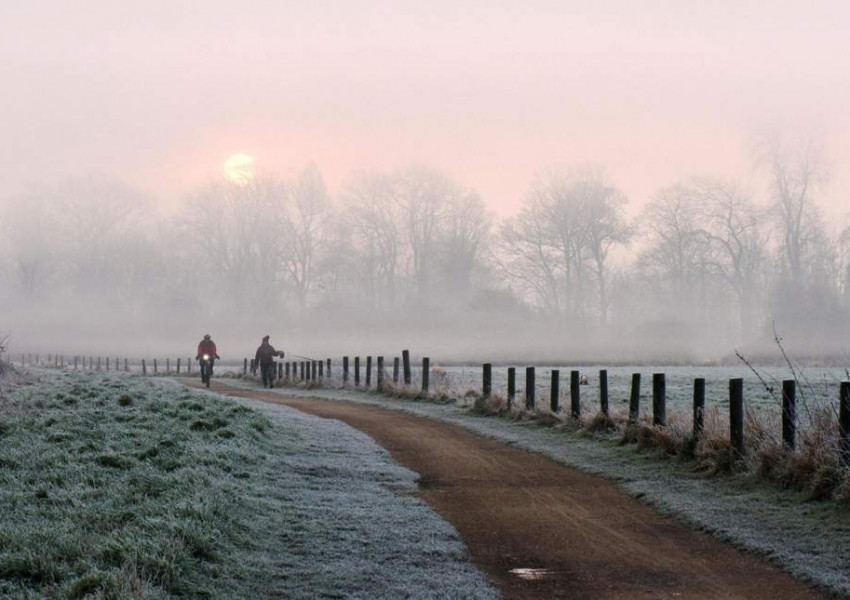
239	168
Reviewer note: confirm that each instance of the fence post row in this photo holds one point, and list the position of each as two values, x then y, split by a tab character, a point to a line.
634	399
699	405
659	399
789	413
426	372
844	423
603	391
736	414
530	388
575	395
555	391
368	371
405	356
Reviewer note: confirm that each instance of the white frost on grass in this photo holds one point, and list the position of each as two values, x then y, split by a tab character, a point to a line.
115	486
809	540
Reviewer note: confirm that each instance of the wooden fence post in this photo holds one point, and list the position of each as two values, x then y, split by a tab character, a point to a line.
178	366
321	369
736	414
634	399
395	370
279	371
380	373
155	369
659	399
426	373
329	368
530	388
167	365
127	365
844	423
245	366
575	395
699	406
368	371
144	368
511	386
405	358
603	391
188	366
555	391
314	372
487	380
356	371
789	413
344	369
287	370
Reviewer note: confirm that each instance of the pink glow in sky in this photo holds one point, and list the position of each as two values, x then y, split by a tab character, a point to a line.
160	93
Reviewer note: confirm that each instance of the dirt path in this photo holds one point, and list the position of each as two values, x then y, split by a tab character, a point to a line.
517	510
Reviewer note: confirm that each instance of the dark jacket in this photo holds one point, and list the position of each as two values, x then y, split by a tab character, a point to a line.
265	354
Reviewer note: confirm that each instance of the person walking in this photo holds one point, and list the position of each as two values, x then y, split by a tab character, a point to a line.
265	360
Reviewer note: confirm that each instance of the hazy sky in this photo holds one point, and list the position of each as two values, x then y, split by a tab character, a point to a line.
160	93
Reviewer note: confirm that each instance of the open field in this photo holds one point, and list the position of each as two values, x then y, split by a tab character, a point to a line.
114	486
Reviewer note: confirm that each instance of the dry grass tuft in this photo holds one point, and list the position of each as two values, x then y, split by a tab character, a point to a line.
601	423
494	405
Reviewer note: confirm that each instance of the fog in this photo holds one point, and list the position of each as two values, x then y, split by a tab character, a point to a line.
473	181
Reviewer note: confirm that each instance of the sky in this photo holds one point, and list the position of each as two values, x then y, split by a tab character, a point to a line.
161	93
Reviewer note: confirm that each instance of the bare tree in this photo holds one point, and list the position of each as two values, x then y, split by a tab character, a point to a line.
529	261
677	250
422	193
306	220
737	252
797	172
374	220
466	230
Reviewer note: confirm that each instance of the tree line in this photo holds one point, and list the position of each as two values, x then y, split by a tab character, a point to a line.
706	258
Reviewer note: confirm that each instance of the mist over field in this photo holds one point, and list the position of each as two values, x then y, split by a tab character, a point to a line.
473	181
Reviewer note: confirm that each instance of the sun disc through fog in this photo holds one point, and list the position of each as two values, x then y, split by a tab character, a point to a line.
239	168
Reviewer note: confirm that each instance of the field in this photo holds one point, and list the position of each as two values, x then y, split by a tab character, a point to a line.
115	486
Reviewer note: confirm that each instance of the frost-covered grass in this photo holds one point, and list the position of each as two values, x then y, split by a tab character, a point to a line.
811	540
114	486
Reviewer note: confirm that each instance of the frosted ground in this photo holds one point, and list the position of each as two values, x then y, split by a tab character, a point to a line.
810	540
119	486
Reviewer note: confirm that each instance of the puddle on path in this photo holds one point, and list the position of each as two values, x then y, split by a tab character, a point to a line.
531	574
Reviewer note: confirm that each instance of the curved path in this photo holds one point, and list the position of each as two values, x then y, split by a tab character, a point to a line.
540	529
